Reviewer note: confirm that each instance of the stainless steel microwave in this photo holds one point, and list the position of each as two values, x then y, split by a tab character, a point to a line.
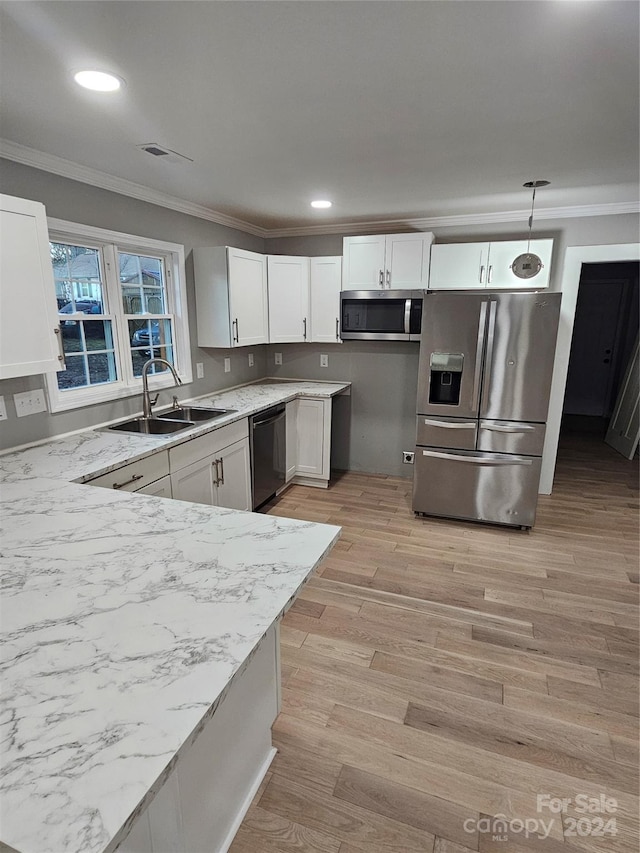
381	315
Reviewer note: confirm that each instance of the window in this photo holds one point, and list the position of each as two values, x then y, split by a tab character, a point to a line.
121	301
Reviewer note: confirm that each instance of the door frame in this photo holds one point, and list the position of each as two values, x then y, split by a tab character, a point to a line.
574	258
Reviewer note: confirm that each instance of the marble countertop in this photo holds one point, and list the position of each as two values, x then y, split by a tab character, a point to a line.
125	619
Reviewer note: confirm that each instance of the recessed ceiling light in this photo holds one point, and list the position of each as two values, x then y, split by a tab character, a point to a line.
320	203
98	81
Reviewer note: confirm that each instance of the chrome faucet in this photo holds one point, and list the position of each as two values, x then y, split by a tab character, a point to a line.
147	404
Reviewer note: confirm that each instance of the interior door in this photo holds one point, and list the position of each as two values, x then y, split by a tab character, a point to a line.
624	428
521	342
453	324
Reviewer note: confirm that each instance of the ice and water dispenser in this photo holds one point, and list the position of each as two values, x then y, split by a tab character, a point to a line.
445	377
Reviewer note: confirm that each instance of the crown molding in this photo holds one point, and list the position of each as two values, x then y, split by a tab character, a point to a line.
94	177
103	180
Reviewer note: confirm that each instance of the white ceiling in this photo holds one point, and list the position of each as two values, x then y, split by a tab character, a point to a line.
393	110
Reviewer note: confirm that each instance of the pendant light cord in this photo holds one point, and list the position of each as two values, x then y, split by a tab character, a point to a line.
533	201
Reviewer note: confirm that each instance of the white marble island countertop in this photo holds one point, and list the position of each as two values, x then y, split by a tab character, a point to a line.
125	620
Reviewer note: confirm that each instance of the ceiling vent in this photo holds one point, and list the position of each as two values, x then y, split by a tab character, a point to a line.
165	154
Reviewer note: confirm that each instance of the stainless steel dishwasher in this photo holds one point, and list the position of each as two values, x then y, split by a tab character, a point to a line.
268	453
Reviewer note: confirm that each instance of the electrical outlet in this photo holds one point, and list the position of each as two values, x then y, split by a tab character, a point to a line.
3	410
324	360
227	365
278	358
199	370
408	457
251	359
30	403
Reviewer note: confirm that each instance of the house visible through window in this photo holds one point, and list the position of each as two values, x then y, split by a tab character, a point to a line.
118	307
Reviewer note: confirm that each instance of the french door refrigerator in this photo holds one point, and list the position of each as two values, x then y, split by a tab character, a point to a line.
484	377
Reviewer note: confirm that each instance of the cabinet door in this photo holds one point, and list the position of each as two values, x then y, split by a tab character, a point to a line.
234	486
503	254
288	287
248	298
29	322
291	442
363	262
195	483
325	300
458	266
160	489
314	438
407	260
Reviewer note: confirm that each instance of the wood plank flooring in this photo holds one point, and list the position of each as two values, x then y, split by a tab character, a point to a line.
439	674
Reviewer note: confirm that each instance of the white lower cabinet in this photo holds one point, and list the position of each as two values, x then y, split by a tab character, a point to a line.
214	468
291	440
309	442
160	489
202	802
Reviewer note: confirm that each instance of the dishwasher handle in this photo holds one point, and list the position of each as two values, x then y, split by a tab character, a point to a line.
270	419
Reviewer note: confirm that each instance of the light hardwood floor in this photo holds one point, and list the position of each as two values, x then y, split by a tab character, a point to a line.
440	673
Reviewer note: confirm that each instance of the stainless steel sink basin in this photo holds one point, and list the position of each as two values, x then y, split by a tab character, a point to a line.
193	413
152	426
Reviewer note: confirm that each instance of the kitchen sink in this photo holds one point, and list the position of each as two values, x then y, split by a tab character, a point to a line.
193	413
152	426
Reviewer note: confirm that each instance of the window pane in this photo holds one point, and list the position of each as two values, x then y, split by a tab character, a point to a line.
75	376
102	367
143	284
97	335
78	278
71	332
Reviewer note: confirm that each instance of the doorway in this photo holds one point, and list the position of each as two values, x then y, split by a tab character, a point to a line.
604	333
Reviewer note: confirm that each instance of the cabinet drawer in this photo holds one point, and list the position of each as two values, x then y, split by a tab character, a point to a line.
134	476
204	445
446	432
511	437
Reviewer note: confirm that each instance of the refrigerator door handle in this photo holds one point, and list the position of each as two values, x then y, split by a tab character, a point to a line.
482	327
493	310
505	427
450	424
407	316
478	460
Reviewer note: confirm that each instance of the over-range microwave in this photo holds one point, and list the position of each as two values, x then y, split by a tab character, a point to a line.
381	315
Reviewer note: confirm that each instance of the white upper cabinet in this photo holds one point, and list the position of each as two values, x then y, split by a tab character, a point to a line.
465	266
288	287
231	297
392	261
325	281
29	322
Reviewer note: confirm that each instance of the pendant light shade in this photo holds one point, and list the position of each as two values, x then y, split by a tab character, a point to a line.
528	264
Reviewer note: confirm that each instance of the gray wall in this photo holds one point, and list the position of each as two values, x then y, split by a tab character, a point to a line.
77	202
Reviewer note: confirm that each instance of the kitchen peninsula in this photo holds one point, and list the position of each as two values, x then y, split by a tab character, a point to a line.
140	662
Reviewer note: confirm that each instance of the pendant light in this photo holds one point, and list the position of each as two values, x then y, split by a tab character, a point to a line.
528	265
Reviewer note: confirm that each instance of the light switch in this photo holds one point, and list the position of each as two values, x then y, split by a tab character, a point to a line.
30	403
227	365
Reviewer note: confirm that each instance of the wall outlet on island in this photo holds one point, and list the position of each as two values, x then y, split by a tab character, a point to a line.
278	358
408	456
324	360
251	359
227	365
199	370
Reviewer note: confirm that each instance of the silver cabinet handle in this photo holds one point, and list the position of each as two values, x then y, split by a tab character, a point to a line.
381	278
214	465
133	479
478	460
481	273
304	329
506	427
57	331
450	424
236	337
490	273
388	278
482	330
337	329
221	481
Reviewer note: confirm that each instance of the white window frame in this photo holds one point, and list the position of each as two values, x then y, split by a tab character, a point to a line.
110	242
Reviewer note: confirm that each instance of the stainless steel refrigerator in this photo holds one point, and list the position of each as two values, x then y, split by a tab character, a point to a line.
486	361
